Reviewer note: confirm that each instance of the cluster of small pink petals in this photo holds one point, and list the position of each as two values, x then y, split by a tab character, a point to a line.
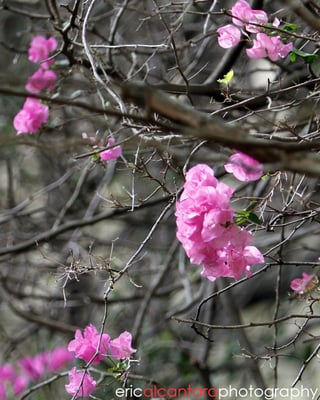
268	46
250	20
206	229
120	347
33	113
31	117
81	384
229	36
40	50
111	154
244	15
244	167
86	346
30	369
42	79
305	284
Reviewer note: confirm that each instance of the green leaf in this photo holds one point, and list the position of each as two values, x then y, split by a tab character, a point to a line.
293	56
227	78
290	27
245	216
254	218
308	58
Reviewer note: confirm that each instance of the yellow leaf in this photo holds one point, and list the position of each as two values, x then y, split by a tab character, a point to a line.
227	77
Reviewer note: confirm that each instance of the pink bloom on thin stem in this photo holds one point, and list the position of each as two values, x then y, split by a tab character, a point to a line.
244	167
305	284
121	346
241	12
40	50
244	15
229	36
256	17
81	384
20	384
206	229
42	79
85	346
34	367
111	154
31	117
58	358
271	47
7	373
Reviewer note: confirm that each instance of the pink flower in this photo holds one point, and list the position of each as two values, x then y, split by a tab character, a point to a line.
31	117
244	167
86	346
272	47
121	346
81	384
206	229
244	15
42	79
256	17
241	12
20	384
305	284
34	367
111	154
229	36
40	49
7	373
58	358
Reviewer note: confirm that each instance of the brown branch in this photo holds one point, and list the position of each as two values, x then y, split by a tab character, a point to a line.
197	124
249	324
43	321
78	223
308	17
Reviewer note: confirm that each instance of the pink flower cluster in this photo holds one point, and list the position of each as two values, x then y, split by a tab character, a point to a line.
92	348
33	113
111	153
15	379
244	167
250	20
206	229
305	284
31	117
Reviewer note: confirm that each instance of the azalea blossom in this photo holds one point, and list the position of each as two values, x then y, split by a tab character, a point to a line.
229	36
86	346
40	50
111	154
241	12
271	47
42	79
304	284
58	358
206	229
256	18
31	117
81	384
121	346
19	384
33	367
7	373
244	15
244	167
